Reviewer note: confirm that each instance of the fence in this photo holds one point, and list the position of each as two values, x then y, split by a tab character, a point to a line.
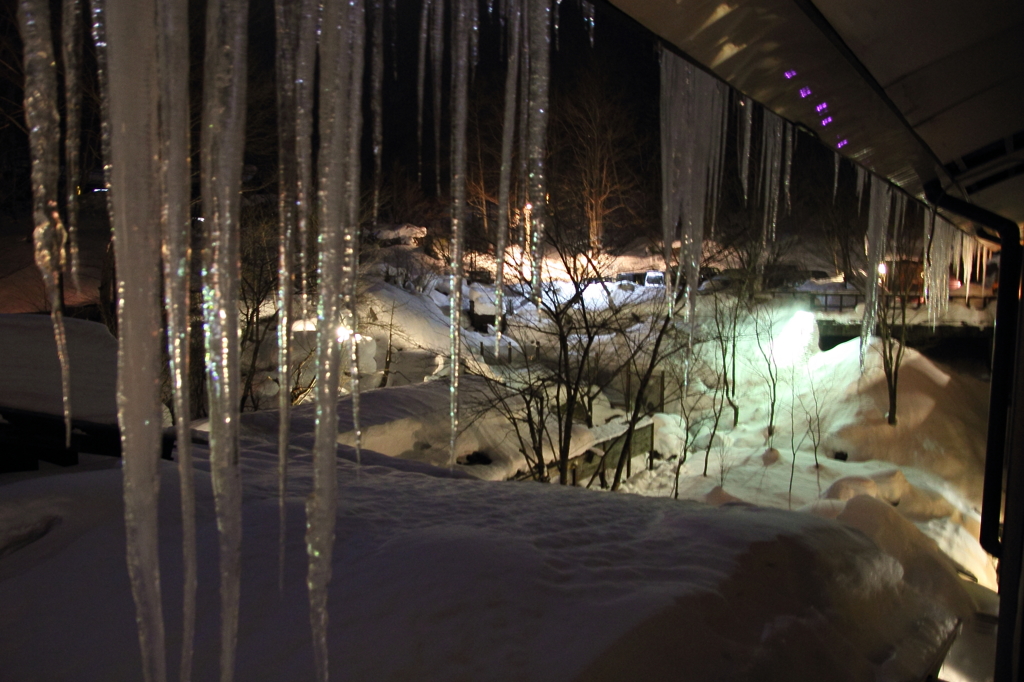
837	302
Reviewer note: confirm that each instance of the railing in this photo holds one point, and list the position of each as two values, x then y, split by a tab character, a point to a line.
841	301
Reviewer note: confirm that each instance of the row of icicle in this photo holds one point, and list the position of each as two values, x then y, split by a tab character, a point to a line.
946	251
143	75
694	121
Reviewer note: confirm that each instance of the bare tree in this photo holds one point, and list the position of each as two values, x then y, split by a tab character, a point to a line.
768	368
899	284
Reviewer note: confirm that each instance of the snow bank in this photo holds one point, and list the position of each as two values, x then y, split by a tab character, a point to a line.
929	467
30	371
941	416
440	579
415	320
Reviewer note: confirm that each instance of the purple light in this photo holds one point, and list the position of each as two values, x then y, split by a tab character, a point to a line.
821	107
805	92
825	121
841	144
789	74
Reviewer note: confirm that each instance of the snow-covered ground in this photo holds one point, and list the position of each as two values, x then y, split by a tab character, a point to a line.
441	576
437	578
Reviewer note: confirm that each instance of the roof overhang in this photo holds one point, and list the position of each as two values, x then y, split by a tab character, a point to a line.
915	90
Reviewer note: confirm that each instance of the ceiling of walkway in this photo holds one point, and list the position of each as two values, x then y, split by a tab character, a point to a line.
915	90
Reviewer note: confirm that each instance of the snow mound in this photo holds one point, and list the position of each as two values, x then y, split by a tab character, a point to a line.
941	416
440	579
30	371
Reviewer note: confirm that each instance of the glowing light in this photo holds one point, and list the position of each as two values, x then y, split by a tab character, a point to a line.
825	121
821	107
790	74
842	143
805	92
882	269
794	339
528	207
344	334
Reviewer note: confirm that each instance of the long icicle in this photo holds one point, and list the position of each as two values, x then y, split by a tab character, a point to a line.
524	116
771	165
350	266
589	18
670	100
969	249
223	127
71	39
514	28
835	177
377	101
320	518
421	75
43	120
747	114
98	29
305	64
135	190
539	47
693	114
787	168
436	64
878	222
459	116
287	16
338	76
176	191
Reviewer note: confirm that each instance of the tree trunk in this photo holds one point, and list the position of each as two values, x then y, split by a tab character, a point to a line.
891	417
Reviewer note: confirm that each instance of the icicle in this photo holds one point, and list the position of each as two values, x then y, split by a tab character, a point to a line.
43	121
223	127
341	73
474	37
878	220
376	100
747	112
835	178
350	269
135	188
943	238
71	31
460	87
98	29
693	118
524	115
899	211
985	255
393	10
555	9
514	27
862	182
787	170
305	63
672	102
969	249
287	16
539	46
436	64
717	163
588	11
421	73
176	195
771	163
